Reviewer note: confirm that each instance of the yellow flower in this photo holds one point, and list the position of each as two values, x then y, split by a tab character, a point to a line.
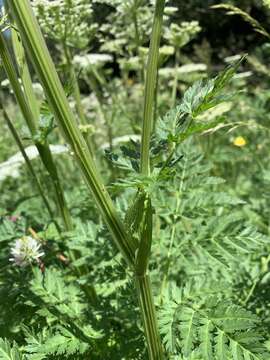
130	81
239	141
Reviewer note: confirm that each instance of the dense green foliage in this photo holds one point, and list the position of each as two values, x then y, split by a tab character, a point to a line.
206	200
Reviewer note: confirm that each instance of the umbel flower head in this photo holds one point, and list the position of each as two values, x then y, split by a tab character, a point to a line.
25	251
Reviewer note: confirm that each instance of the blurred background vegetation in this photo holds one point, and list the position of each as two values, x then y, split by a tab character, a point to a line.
208	44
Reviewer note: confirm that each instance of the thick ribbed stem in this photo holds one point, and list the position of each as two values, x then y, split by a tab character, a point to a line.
142	280
148	312
150	85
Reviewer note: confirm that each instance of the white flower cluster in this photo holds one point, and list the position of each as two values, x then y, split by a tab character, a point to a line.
179	36
169	72
66	21
86	61
25	251
266	3
118	34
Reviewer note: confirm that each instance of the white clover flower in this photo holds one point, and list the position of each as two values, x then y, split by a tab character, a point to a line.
25	251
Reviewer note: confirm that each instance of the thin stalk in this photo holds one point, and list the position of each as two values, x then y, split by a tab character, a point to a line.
38	53
13	78
97	83
138	43
33	105
30	167
43	149
156	104
175	80
23	69
257	280
173	232
92	82
77	96
76	92
150	85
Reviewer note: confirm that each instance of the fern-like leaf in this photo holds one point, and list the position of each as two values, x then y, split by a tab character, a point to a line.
10	351
61	342
213	330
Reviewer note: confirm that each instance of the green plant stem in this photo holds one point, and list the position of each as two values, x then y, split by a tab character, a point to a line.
76	92
155	104
30	167
175	80
41	59
24	73
138	43
150	85
143	281
148	312
43	149
92	81
33	105
257	280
